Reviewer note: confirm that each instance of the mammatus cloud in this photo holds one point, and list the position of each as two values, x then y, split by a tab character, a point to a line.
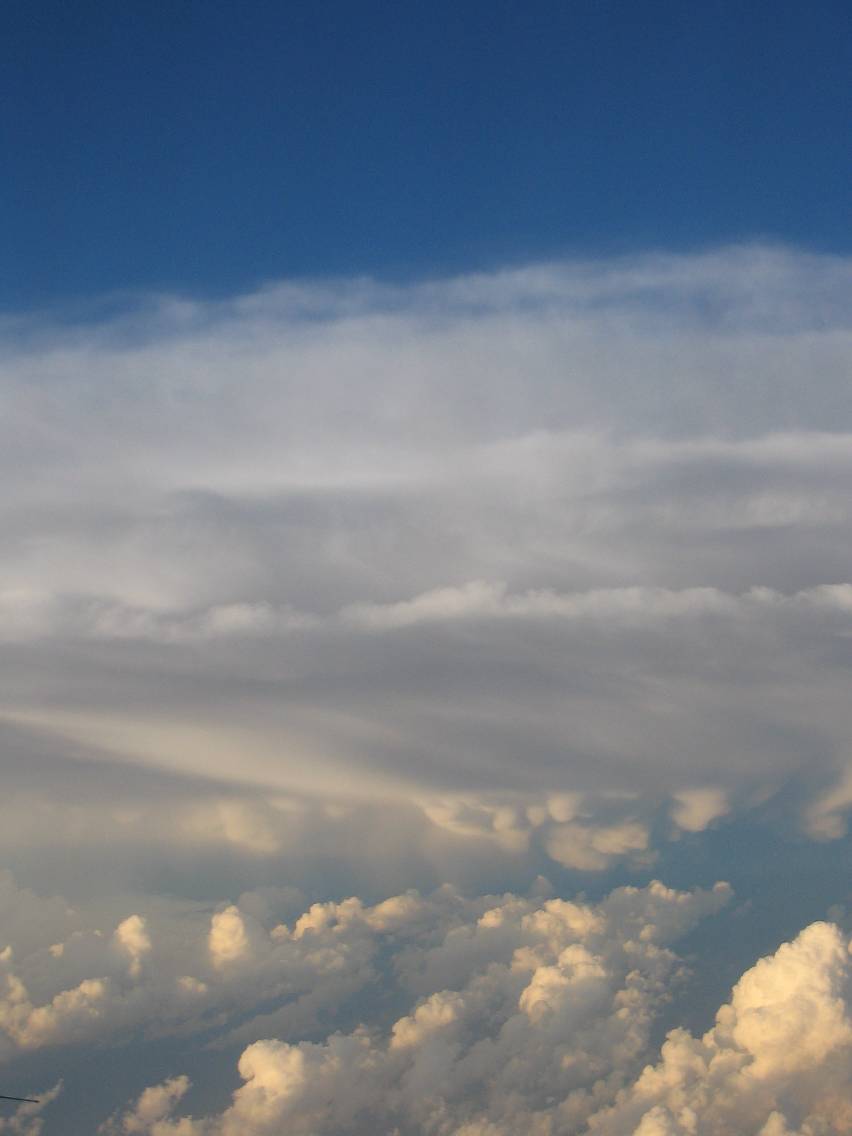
460	547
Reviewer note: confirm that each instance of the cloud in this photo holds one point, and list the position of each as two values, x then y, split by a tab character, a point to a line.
589	848
132	938
568	528
548	1029
544	1000
778	1055
327	608
26	1119
445	1013
228	940
152	1108
694	809
182	968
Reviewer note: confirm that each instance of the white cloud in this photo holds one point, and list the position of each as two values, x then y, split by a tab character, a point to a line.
778	1055
790	1011
132	938
228	940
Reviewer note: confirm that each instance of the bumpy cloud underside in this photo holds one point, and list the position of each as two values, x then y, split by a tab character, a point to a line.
539	556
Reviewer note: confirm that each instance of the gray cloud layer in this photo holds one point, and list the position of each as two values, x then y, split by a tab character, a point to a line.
565	530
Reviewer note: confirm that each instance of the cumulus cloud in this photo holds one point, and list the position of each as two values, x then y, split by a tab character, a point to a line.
777	1060
514	1004
228	940
446	1014
132	938
547	1031
240	968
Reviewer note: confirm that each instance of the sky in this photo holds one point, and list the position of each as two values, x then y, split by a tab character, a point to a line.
209	147
425	601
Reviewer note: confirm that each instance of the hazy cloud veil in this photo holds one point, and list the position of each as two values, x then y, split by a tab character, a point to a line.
379	650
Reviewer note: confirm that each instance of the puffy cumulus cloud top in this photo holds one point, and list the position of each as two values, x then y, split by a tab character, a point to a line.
445	1015
421	594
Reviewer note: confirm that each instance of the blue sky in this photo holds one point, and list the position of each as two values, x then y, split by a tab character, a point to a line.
208	146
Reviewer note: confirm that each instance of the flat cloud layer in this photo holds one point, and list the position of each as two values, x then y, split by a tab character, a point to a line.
347	588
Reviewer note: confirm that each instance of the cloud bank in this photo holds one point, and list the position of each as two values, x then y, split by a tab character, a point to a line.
346	589
567	529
